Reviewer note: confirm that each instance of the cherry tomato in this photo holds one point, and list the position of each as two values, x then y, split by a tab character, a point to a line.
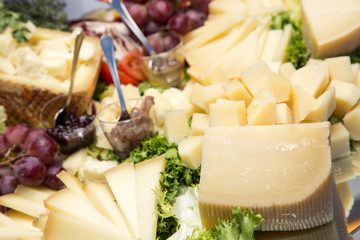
131	65
105	75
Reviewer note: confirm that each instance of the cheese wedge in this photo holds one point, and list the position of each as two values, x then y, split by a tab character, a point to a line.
282	172
22	205
331	28
148	175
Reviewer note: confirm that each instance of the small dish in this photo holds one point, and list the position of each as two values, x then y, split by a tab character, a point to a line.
126	135
165	69
78	130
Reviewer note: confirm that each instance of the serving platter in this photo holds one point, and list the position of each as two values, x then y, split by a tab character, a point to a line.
341	225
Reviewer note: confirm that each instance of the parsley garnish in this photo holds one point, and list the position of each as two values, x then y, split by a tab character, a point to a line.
14	21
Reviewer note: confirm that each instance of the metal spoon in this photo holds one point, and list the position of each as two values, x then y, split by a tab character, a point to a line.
108	49
59	117
120	7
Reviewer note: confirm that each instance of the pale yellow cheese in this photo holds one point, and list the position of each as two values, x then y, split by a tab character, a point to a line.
71	204
73	183
252	166
236	91
343	169
178	100
61	226
94	169
324	106
122	182
286	69
213	76
190	151
310	78
351	121
40	221
219	7
274	66
355	68
346	196
323	65
340	68
280	87
211	93
176	126
196	96
6	66
22	205
347	94
280	53
103	200
262	109
272	43
35	194
331	28
22	219
18	234
340	145
227	113
199	122
160	106
148	175
302	104
283	114
74	161
7	221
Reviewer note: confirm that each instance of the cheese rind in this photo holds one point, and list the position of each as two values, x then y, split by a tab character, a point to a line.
251	166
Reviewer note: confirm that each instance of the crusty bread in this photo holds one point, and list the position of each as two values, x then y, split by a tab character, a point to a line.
23	97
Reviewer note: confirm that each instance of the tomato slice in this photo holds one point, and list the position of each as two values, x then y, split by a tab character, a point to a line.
131	64
105	75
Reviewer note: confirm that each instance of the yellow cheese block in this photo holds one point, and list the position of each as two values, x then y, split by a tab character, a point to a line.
236	91
347	197
262	109
190	151
211	93
302	104
324	106
283	114
199	122
22	205
282	172
331	28
323	65
24	93
342	169
227	113
340	68
351	121
286	69
340	145
24	221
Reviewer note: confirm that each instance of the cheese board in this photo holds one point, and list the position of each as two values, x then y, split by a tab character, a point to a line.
239	77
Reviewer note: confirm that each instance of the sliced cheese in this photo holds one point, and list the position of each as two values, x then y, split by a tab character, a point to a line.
22	205
74	161
272	43
148	175
282	172
176	126
73	183
122	182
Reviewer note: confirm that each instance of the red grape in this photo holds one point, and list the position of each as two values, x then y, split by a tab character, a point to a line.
160	10
15	133
51	180
179	23
157	42
31	135
4	145
5	171
170	41
58	160
152	27
8	184
196	17
44	148
30	171
201	5
137	12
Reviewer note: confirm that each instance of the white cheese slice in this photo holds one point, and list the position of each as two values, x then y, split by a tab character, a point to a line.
22	219
73	183
147	181
282	172
122	182
22	205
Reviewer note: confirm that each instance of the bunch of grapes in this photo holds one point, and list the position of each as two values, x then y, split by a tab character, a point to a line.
180	16
30	157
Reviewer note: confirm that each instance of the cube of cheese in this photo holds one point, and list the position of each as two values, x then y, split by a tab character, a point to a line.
347	94
196	96
346	196
324	106
211	93
213	76
355	68
342	169
199	122
178	100
262	109
310	78
340	68
340	137
190	151
236	91
351	121
283	114
251	166
274	66
160	106
286	69
227	113
74	162
323	65
280	86
302	104
255	76
95	169
176	126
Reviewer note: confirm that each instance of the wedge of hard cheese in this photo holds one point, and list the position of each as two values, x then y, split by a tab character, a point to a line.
40	70
282	172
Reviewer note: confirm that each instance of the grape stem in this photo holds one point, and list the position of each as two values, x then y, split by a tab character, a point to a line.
8	159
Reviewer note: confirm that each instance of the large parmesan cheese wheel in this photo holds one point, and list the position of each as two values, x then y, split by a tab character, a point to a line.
41	70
